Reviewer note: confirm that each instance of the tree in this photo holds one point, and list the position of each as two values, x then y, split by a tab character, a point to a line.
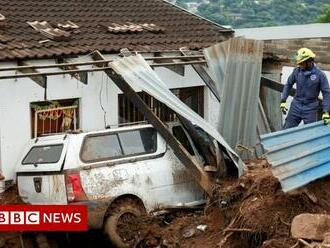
257	13
182	4
325	17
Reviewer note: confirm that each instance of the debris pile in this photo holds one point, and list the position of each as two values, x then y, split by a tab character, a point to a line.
249	212
11	239
10	196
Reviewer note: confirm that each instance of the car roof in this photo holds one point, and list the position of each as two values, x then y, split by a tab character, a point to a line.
62	136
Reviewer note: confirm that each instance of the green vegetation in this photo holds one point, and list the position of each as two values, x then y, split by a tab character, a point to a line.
258	13
182	3
325	17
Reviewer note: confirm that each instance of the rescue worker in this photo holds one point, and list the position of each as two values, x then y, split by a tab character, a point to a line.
309	81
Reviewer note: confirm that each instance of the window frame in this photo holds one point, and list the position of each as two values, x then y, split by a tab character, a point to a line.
67	102
120	144
60	144
127	113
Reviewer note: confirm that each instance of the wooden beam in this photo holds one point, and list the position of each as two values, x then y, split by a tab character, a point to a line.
179	69
203	148
272	84
80	76
40	80
96	55
193	168
200	69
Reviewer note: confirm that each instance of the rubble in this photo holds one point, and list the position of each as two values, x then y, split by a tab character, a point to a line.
257	214
248	212
310	226
188	232
11	239
201	228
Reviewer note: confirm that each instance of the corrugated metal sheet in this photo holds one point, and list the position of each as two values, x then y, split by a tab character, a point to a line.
262	128
235	66
140	76
271	100
299	155
263	124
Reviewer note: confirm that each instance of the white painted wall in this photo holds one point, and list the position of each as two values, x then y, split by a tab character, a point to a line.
16	96
211	108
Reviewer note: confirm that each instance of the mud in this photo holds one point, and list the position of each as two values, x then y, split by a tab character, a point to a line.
13	239
249	212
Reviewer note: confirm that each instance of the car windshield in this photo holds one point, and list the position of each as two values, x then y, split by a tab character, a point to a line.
44	154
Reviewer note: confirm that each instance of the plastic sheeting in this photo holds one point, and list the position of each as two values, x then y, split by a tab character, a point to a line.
235	65
140	76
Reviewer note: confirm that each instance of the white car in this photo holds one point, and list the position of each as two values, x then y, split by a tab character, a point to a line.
118	173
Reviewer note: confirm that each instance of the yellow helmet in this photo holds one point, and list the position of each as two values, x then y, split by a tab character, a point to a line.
303	54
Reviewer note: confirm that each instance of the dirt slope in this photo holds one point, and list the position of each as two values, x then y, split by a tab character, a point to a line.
249	212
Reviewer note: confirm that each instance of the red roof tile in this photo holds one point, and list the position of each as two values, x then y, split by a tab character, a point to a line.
178	28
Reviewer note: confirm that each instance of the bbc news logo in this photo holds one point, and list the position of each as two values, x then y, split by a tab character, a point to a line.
43	218
35	218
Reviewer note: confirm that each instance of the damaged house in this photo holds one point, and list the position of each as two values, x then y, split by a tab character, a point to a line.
38	100
72	74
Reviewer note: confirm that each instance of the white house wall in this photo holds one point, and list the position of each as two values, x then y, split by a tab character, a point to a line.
16	96
15	122
211	108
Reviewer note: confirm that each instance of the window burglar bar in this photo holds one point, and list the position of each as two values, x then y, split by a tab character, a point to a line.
192	96
55	120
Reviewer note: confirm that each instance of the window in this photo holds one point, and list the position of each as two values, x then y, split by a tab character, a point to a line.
181	136
99	147
53	117
193	97
139	141
117	145
43	154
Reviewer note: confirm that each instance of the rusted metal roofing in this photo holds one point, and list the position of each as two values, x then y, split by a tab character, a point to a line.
175	28
299	155
235	66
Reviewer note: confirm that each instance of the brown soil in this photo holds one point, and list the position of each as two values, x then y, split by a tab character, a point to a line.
249	212
10	197
11	239
243	213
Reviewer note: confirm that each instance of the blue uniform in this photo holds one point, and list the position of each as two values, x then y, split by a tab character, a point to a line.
305	104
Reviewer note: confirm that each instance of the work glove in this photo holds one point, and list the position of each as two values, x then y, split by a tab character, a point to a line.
284	107
326	118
